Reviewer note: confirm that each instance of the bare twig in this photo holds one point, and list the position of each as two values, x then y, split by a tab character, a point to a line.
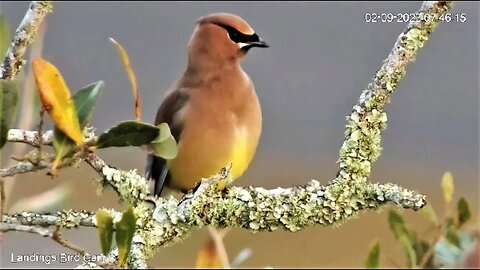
217	237
29	166
57	237
40	139
14	58
3	199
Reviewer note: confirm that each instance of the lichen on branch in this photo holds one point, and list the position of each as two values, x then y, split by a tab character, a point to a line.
165	221
24	36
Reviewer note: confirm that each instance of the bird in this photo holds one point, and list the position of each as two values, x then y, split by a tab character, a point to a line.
212	110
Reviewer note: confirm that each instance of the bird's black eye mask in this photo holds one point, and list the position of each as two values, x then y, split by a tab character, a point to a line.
239	37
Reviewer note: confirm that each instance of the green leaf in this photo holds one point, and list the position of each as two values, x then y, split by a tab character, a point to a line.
430	214
416	243
4	36
447	186
166	149
463	212
164	145
451	236
128	133
397	225
105	229
8	107
164	133
85	101
373	256
409	250
125	231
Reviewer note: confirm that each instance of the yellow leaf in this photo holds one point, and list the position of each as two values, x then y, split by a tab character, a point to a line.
207	256
56	100
447	186
131	76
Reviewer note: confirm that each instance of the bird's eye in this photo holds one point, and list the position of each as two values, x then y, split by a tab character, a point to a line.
237	36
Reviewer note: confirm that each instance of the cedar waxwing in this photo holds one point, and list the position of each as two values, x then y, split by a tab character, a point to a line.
213	111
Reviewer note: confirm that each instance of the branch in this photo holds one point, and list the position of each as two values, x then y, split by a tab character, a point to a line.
24	167
25	34
367	120
23	228
64	219
30	137
163	222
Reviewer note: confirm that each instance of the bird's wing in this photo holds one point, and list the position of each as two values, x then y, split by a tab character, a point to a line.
156	166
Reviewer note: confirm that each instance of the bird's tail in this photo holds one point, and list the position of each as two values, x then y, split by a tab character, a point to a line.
157	171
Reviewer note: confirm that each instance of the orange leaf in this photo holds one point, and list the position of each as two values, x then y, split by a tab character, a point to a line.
56	100
208	257
131	76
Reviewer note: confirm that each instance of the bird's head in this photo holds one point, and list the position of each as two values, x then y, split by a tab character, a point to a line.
223	36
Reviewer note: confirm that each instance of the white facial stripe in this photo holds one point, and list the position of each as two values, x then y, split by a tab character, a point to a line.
241	44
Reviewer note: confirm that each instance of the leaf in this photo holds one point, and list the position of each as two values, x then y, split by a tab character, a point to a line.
85	101
397	225
463	212
451	236
207	256
373	256
166	149
416	244
125	231
408	250
8	107
55	98
4	36
131	76
128	133
105	230
447	186
430	214
164	145
164	133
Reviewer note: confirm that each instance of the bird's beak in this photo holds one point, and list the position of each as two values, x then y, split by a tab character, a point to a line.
261	44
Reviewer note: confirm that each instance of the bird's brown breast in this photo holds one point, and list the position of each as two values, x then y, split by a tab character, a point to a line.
222	124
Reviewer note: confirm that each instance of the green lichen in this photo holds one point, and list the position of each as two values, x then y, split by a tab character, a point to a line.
131	187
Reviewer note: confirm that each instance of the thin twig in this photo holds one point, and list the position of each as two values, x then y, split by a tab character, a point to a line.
57	237
217	237
3	198
23	167
40	139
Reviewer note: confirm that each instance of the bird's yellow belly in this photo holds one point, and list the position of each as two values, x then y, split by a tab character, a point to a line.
208	151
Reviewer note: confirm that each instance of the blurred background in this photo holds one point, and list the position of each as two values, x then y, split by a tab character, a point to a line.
322	55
